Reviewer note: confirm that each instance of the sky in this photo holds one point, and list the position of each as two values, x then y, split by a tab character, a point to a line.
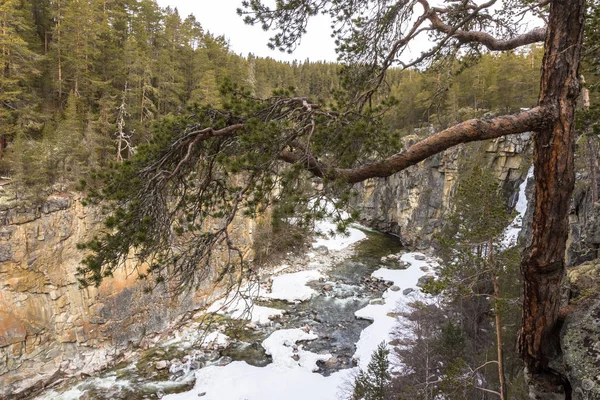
219	18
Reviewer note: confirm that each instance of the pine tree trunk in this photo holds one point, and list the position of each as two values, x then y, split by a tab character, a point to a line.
59	44
498	322
499	341
543	263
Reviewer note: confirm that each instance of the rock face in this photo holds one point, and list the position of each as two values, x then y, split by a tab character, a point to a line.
581	350
411	204
584	221
49	327
580	336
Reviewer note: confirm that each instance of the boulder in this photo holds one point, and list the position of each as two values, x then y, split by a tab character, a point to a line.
403	265
424	280
322	250
162	364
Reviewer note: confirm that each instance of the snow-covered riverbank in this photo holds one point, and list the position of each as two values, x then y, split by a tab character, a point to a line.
291	374
301	330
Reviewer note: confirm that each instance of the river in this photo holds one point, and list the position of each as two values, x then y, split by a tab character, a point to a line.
301	333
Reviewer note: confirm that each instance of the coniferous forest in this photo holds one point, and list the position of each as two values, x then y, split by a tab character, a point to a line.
83	81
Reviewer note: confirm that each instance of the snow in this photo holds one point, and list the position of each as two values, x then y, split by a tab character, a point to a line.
237	306
285	378
106	383
281	346
289	287
292	287
512	232
330	237
334	240
240	381
290	379
215	339
383	324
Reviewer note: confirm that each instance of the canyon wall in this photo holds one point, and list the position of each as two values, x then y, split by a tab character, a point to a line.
412	203
49	326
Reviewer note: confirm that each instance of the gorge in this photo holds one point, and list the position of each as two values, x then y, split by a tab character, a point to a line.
146	171
52	329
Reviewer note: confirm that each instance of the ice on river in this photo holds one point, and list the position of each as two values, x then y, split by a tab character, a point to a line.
382	315
290	376
238	306
240	381
281	345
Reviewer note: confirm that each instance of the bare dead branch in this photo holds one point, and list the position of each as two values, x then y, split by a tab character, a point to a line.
484	38
488	390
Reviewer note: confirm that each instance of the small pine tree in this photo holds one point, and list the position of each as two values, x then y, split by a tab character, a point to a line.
374	384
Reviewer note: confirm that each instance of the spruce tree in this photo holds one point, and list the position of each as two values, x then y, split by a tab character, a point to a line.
374	383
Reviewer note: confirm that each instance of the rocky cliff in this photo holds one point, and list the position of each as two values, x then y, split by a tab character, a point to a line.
580	336
49	326
411	204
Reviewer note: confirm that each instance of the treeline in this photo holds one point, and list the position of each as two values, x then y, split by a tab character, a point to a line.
82	82
497	83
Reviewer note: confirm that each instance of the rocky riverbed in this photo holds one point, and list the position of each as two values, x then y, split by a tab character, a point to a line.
298	332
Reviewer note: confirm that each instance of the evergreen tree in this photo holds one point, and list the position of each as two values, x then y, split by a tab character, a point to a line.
374	383
475	257
18	70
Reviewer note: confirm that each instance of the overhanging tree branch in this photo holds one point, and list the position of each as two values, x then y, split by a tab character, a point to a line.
465	132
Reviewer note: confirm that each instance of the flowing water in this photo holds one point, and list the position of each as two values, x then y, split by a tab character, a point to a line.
170	367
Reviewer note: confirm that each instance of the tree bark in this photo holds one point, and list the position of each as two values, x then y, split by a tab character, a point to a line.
3	144
498	322
543	263
499	341
591	145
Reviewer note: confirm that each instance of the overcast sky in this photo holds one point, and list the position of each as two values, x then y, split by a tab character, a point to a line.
219	17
